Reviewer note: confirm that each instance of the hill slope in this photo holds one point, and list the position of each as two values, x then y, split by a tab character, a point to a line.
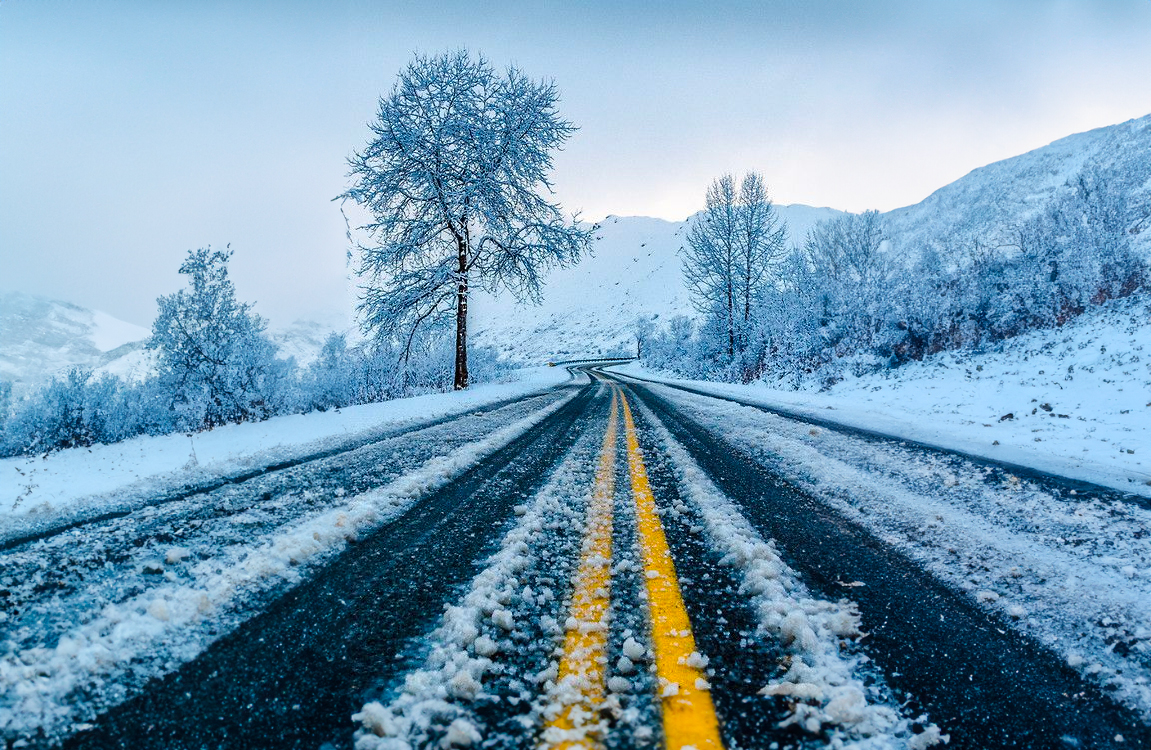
591	308
40	337
988	201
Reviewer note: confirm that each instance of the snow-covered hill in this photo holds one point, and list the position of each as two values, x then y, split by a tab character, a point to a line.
988	201
1075	401
591	308
40	337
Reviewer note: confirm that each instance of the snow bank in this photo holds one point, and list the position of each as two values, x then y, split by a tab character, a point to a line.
34	491
1073	401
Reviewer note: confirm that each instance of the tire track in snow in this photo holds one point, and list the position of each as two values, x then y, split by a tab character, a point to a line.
1072	573
479	675
786	665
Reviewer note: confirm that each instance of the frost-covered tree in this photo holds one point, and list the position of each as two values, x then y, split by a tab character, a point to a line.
644	328
847	248
761	248
334	379
732	250
711	268
213	357
455	179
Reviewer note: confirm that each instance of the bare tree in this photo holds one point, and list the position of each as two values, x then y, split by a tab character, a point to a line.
847	248
762	245
453	179
732	250
711	267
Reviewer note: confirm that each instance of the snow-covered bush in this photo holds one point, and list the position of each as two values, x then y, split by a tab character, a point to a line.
216	366
5	402
214	359
78	409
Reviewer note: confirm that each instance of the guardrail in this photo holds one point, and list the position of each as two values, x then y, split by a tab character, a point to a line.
591	360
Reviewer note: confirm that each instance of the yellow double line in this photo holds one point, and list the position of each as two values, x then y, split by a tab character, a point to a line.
689	719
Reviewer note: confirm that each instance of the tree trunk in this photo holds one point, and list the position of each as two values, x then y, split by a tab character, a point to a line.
462	323
730	321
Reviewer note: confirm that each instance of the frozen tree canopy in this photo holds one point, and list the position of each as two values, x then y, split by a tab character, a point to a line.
215	360
732	250
455	179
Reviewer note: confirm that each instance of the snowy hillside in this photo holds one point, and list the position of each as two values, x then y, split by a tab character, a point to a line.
591	308
1075	401
39	337
984	205
42	337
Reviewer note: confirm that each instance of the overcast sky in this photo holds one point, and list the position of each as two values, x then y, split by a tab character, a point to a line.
133	131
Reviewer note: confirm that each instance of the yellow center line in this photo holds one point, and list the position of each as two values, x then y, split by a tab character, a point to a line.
689	719
579	687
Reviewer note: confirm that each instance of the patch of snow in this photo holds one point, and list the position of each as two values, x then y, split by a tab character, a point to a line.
108	333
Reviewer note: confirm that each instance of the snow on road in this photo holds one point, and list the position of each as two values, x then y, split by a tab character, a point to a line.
824	680
497	640
1073	572
494	652
144	610
40	490
1074	401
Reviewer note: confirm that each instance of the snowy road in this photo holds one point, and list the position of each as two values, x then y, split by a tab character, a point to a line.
610	564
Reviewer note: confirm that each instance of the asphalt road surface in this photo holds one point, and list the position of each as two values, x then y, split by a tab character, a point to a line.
611	574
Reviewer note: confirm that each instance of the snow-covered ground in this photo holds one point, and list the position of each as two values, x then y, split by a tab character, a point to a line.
1079	399
37	490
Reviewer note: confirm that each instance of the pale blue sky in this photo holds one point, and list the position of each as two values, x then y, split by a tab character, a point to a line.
130	132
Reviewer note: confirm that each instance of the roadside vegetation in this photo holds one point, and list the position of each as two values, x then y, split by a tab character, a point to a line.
842	304
452	185
215	365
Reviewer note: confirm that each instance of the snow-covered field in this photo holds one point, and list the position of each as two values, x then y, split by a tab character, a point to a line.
35	491
1079	399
